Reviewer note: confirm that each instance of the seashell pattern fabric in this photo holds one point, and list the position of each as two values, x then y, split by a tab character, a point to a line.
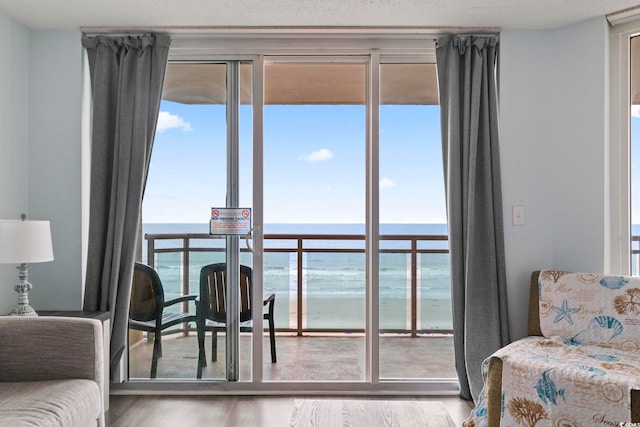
591	309
545	381
582	371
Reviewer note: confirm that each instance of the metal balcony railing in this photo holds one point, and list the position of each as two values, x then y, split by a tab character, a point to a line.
188	245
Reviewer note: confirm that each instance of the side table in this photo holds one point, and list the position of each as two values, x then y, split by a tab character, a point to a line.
104	317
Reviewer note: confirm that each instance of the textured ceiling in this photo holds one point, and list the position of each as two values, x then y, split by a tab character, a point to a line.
511	14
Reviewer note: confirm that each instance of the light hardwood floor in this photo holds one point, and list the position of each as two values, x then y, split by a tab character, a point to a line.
363	412
232	411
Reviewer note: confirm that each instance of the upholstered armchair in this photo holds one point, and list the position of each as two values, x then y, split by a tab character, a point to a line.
51	371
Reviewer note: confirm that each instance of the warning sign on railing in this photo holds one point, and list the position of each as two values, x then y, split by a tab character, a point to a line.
230	221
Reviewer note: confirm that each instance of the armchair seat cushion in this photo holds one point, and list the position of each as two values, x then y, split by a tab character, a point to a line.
75	402
558	379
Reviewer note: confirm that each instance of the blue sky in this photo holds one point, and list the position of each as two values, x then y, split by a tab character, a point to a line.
314	164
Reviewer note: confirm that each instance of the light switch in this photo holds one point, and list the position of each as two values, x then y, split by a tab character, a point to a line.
518	215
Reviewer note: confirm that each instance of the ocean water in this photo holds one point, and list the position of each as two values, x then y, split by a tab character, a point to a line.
333	283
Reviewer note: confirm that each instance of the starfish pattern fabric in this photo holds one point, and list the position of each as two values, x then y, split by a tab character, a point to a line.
564	312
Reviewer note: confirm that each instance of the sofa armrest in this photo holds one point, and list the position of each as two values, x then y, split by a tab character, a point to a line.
46	348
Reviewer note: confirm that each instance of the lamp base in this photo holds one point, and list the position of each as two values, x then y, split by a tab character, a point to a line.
23	310
22	288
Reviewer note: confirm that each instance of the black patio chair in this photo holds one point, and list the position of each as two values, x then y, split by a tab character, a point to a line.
147	309
211	309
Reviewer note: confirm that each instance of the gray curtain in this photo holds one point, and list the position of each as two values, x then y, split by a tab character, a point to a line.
127	74
469	119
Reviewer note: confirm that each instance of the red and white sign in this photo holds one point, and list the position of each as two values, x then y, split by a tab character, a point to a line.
230	221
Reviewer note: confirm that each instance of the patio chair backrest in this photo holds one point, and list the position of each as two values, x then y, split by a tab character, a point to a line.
213	283
147	294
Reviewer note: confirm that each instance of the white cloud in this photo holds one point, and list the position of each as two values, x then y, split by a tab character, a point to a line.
166	120
386	183
635	110
319	156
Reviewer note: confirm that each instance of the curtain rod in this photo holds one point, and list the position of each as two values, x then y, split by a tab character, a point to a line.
292	31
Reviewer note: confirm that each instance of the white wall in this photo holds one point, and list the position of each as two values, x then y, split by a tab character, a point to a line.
14	139
553	137
40	149
55	160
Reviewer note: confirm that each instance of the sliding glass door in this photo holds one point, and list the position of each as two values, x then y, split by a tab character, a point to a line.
337	157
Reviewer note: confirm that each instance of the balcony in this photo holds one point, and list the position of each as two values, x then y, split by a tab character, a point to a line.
319	282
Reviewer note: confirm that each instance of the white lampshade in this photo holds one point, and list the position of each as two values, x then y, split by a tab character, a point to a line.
25	241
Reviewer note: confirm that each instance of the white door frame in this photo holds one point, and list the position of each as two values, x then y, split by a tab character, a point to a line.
371	50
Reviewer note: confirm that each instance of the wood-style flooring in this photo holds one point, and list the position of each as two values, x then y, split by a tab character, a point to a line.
375	413
232	411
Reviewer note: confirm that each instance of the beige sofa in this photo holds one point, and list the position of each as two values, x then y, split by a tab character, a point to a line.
51	371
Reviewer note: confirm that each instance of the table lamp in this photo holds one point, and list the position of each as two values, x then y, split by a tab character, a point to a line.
24	241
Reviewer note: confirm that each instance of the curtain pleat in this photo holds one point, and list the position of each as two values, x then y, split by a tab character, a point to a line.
469	119
127	75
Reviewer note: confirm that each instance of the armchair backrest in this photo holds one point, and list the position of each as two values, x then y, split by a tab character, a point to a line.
586	308
213	284
147	294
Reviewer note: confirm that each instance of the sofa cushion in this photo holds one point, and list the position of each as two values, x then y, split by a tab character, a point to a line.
590	309
50	403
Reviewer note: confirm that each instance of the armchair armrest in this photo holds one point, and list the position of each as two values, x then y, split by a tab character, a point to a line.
533	322
47	348
180	299
269	300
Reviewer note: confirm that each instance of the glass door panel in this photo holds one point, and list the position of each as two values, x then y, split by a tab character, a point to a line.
414	290
314	210
188	176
